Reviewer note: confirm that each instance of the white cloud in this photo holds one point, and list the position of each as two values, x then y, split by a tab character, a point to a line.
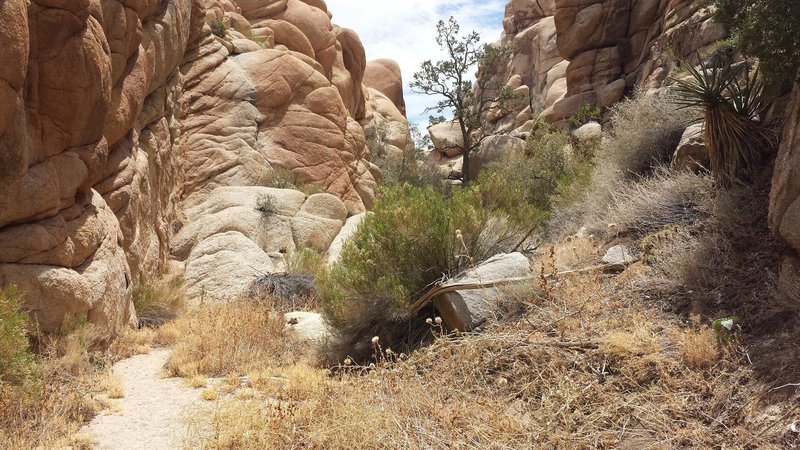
405	30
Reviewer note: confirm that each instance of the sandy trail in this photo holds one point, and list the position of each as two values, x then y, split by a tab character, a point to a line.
151	415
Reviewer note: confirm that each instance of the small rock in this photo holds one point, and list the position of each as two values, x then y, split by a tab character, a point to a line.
588	132
691	153
620	256
308	326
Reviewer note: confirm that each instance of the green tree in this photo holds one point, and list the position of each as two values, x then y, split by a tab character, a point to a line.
468	100
768	30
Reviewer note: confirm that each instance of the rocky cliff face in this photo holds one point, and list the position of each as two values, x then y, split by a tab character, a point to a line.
784	208
571	53
125	123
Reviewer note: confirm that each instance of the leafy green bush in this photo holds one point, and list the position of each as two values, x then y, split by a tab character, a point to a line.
768	30
17	364
587	113
413	238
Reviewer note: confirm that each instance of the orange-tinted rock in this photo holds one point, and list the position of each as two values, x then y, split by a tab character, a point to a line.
384	76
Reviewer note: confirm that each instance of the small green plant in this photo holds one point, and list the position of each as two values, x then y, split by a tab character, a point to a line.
17	364
726	329
218	28
304	260
587	113
259	40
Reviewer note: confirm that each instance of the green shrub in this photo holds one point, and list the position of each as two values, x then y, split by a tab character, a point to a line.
17	364
304	260
768	30
587	113
218	28
413	238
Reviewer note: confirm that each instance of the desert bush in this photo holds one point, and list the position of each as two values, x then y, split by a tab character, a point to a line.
629	152
585	114
414	238
61	390
218	28
304	260
266	205
526	186
645	130
17	364
159	301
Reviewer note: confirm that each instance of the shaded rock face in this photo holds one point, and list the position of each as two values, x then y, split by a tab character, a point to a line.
571	53
784	208
119	118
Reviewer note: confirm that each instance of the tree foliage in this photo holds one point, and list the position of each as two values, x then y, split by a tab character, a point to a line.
768	30
469	101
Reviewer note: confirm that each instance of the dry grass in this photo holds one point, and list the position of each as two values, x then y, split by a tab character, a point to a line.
71	387
597	361
161	301
236	337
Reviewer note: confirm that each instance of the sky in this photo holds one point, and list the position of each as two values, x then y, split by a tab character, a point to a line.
405	30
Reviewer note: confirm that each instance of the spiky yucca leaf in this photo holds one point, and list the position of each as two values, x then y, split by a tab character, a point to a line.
731	107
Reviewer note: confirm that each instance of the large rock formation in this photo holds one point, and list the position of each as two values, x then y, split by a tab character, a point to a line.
784	211
576	53
124	122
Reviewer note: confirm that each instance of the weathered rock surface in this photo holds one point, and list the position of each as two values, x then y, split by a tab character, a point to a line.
784	208
691	153
348	229
469	308
119	121
384	76
619	256
572	53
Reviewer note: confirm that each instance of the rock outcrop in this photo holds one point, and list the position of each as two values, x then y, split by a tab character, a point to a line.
586	53
124	125
784	208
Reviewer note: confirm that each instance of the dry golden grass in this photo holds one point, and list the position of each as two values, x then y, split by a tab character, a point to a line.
594	364
70	389
236	337
112	384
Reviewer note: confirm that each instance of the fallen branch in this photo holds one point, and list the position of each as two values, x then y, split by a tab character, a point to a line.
441	288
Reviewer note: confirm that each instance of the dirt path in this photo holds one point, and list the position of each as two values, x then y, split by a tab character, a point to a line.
151	415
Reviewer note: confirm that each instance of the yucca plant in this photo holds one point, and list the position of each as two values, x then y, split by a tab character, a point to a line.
731	106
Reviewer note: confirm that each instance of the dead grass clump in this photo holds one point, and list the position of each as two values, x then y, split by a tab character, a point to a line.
228	338
645	130
699	349
667	199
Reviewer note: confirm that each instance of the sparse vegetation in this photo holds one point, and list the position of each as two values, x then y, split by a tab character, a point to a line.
159	302
267	206
17	365
587	113
218	28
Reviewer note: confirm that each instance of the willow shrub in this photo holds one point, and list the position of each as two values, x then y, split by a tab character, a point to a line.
413	238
